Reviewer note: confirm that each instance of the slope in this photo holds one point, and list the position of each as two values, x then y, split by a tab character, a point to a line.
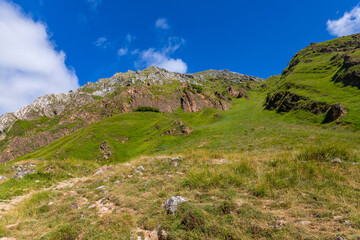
317	78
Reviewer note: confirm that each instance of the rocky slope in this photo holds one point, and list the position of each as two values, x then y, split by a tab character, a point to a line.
53	116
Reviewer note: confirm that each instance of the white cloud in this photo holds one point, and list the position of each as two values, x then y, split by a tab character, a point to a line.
152	57
102	42
162	58
94	4
162	23
29	64
122	51
347	24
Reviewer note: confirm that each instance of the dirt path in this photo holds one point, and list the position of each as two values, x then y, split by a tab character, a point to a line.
7	205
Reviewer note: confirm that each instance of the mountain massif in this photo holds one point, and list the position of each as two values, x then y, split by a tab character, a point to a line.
154	154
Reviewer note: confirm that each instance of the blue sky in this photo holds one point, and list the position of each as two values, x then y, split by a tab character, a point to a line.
91	39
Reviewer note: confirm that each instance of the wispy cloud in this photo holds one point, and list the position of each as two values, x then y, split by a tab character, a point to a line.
123	51
94	4
348	24
29	64
102	42
163	57
129	38
162	23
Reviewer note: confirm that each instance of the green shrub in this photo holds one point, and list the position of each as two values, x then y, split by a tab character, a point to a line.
147	109
197	88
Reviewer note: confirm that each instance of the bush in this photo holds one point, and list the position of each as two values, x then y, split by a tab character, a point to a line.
197	88
147	109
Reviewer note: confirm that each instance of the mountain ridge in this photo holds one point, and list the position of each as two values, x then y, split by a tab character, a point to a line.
153	87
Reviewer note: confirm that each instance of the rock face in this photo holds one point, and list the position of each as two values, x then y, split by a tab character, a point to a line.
172	204
287	101
153	87
334	113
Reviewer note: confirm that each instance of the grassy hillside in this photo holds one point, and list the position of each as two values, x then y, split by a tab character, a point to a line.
247	127
248	173
314	73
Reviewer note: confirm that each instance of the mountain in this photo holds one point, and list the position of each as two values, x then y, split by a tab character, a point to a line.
54	116
154	154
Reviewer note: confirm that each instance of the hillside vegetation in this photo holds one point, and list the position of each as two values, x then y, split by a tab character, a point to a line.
254	159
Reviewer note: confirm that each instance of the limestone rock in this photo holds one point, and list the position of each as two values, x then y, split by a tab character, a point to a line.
23	172
172	204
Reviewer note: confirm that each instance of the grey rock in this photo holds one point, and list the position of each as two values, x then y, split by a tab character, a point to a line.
340	238
140	168
336	160
23	172
175	163
101	187
172	204
304	223
278	224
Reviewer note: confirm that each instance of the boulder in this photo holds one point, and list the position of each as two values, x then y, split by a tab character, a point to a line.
172	204
334	113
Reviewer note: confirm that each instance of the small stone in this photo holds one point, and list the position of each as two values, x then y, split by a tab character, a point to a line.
175	163
239	203
92	206
106	192
336	160
12	226
347	221
101	187
340	238
37	181
140	168
2	177
50	203
74	205
279	224
304	223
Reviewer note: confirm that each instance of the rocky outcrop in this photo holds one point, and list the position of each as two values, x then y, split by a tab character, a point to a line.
349	74
105	150
286	101
334	113
46	106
